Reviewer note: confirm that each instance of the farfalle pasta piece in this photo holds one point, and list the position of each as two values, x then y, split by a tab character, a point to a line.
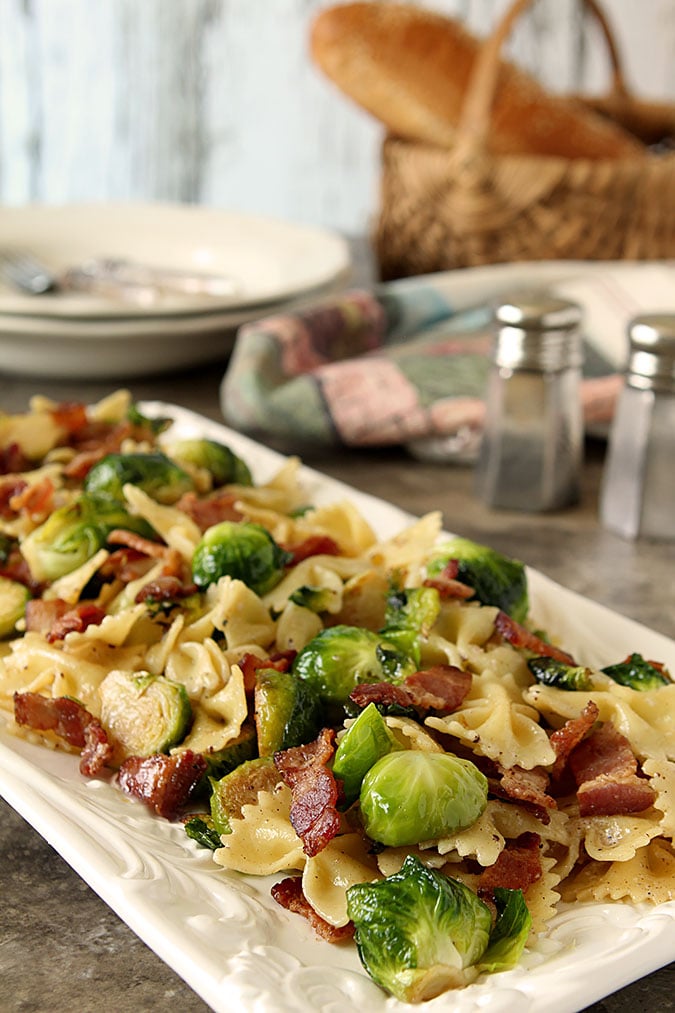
240	614
542	896
661	775
263	841
175	527
343	523
410	546
617	838
496	727
219	718
648	876
315	571
200	666
296	626
344	861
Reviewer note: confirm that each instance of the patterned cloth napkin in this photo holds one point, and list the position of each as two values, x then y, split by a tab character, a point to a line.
407	362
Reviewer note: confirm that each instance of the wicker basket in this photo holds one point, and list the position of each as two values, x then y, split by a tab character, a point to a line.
445	208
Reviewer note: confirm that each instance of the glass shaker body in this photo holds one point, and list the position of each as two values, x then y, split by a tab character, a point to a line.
532	448
637	497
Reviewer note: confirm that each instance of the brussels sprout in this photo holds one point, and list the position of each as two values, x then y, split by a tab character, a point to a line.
495	579
417	930
202	830
222	761
410	613
238	788
13	598
156	425
287	711
241	550
637	673
74	533
510	931
551	672
154	473
412	796
222	463
339	657
144	713
364	742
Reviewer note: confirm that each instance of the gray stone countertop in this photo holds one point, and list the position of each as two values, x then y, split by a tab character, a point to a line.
61	947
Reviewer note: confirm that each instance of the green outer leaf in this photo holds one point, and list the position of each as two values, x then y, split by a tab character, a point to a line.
510	932
637	673
362	745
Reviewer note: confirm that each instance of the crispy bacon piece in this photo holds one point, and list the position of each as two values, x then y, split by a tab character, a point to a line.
446	582
164	783
314	545
10	488
55	617
70	415
92	442
288	893
519	636
250	663
70	721
314	791
13	460
220	506
605	770
165	588
121	536
528	787
440	688
517	867
36	500
567	738
125	564
76	620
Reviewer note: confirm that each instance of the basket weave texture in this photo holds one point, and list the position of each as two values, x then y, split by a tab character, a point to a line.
446	208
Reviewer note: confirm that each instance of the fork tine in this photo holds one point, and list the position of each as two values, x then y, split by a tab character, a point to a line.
25	272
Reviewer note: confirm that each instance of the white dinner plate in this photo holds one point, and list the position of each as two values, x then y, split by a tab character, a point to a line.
117	348
223	933
268	260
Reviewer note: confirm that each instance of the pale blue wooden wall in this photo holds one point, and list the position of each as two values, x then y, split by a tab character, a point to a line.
216	101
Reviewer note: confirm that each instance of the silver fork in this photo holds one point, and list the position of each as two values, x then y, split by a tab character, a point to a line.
25	272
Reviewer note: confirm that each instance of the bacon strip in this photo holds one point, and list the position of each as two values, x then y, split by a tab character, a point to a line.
70	721
529	787
164	783
288	893
446	582
313	545
121	536
440	688
165	589
519	636
211	509
517	867
567	738
314	791
605	770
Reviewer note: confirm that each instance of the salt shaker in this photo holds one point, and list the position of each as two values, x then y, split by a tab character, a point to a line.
531	453
638	489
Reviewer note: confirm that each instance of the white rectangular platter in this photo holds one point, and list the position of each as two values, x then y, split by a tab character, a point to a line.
223	933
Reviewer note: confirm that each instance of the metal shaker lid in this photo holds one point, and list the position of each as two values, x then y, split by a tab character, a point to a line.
651	360
538	331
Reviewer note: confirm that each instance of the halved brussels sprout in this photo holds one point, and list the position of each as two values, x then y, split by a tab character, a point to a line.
144	713
418	930
74	533
154	473
411	796
551	672
364	742
637	673
240	787
495	579
410	614
13	598
287	711
241	550
222	463
339	657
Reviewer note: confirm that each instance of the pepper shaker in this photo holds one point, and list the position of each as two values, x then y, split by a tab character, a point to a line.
637	496
531	453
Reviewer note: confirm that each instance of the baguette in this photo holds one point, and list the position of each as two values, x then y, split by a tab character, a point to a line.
410	68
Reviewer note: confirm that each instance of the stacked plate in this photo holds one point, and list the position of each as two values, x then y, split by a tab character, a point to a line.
265	266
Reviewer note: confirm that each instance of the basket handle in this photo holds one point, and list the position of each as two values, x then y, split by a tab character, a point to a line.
474	124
